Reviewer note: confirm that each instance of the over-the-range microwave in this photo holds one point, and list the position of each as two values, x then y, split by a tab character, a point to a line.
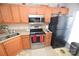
36	19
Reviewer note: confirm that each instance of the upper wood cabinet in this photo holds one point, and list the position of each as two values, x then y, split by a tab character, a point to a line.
23	13
32	10
37	10
13	46
6	13
47	15
15	13
1	20
64	11
55	10
41	10
2	50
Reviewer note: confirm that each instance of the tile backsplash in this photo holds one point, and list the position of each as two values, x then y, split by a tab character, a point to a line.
22	28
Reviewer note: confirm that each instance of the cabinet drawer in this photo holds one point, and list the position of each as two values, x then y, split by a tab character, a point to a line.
25	36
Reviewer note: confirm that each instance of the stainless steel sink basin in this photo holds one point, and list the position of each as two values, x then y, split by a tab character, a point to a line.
3	38
8	36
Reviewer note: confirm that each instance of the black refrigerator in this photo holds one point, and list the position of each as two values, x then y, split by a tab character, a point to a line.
57	40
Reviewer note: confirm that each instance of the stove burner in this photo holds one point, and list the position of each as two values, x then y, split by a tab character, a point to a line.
36	31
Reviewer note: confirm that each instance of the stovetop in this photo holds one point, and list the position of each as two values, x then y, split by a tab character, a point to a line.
36	31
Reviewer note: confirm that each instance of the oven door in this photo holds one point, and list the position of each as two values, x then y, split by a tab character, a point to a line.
37	38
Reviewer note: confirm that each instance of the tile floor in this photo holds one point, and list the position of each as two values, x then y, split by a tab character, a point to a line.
46	51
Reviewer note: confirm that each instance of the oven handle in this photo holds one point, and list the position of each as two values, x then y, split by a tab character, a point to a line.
38	35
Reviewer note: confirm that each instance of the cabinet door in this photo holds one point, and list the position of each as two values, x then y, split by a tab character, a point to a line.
47	18
48	39
32	10
1	20
13	46
40	10
26	42
47	15
55	10
64	11
6	13
15	13
2	51
23	14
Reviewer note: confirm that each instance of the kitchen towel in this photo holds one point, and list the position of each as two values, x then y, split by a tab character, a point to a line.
34	38
41	38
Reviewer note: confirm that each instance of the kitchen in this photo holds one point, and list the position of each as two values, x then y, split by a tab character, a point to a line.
26	26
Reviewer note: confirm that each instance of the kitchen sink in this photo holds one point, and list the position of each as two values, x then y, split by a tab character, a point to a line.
8	36
2	38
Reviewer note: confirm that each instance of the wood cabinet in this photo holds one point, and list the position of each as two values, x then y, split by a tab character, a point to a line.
2	50
47	18
15	13
41	10
47	15
32	10
6	13
23	13
55	10
26	41
64	11
1	20
13	46
48	39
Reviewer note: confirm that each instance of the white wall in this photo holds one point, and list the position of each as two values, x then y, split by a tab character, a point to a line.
73	7
74	35
71	17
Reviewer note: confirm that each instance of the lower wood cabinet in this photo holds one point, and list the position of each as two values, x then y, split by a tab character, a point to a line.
13	46
26	41
48	39
2	50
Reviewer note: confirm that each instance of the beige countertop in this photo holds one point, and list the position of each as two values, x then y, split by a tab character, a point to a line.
9	38
25	33
47	30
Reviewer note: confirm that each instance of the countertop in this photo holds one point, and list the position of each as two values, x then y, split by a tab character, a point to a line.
6	39
24	33
47	30
9	38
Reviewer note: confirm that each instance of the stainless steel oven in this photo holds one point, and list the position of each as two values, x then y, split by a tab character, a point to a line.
37	38
37	33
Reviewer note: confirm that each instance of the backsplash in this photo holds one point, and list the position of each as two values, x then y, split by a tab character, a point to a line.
21	28
3	29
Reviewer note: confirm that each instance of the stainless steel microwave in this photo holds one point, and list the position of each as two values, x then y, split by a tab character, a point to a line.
36	18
